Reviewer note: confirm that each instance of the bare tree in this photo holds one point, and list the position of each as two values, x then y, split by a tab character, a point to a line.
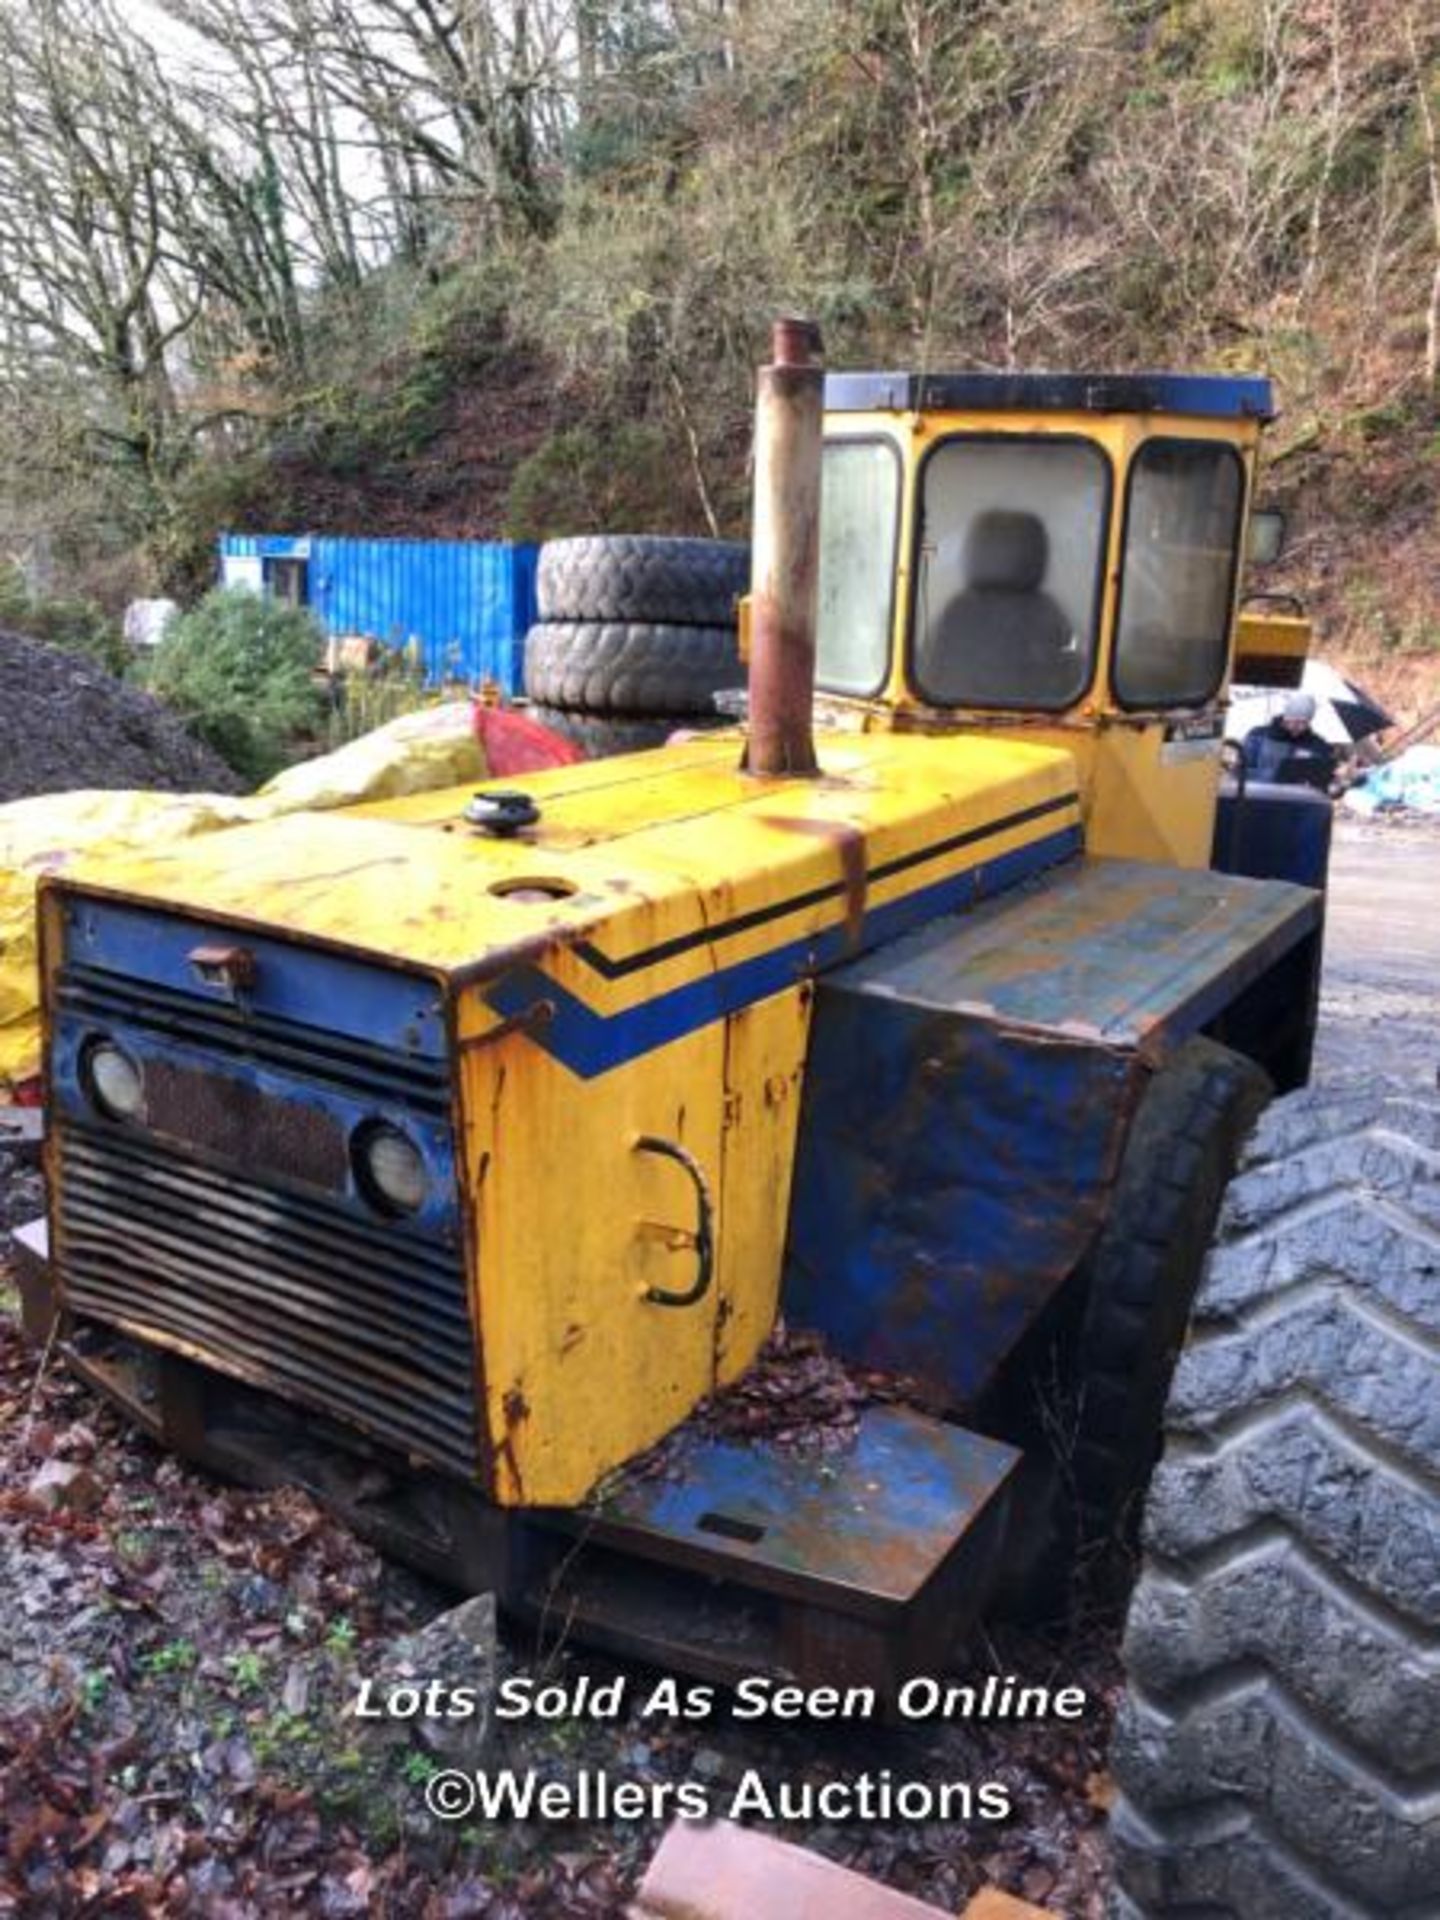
87	276
1424	86
475	94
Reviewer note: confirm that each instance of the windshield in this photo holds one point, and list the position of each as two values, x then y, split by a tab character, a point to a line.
1181	532
859	521
1010	570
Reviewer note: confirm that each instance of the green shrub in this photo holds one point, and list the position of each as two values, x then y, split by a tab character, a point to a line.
464	320
78	625
241	669
600	478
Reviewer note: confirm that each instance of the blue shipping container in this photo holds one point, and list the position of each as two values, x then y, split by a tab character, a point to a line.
466	604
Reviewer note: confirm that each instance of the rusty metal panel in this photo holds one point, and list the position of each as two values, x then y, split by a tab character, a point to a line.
284	1291
609	995
160	963
240	1122
863	1530
650	853
662	993
1120	950
951	1173
968	1095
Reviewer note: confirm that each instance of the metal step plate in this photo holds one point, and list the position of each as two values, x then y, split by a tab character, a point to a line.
864	1564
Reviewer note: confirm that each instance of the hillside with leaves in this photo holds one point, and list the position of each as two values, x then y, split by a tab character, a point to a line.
504	267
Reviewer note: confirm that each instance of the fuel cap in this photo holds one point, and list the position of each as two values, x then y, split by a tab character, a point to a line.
502	813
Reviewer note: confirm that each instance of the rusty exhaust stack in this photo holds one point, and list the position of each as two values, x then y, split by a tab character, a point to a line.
785	562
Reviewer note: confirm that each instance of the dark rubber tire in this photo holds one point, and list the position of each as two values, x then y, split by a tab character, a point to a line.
642	577
592	667
1142	1274
599	736
1278	1753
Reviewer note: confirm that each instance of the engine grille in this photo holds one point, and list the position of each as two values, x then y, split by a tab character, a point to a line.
378	1072
287	1292
294	1291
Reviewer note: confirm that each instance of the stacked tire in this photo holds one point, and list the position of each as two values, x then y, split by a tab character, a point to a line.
636	636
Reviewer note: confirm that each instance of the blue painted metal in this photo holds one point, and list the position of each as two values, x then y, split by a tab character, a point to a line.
1274	833
950	1174
591	1043
279	1099
968	1093
1210	396
466	604
1118	951
268	546
383	1007
228	1218
874	1520
320	1037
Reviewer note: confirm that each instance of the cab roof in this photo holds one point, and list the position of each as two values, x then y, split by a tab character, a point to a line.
1209	396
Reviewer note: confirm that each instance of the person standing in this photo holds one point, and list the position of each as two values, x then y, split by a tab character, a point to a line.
1287	749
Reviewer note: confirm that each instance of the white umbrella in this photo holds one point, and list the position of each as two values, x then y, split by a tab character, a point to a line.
1344	713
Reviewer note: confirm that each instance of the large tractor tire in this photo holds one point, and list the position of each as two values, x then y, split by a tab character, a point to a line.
1278	1754
1088	1406
630	667
626	577
1142	1275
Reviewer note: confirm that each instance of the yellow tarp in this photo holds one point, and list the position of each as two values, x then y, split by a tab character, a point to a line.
420	751
57	832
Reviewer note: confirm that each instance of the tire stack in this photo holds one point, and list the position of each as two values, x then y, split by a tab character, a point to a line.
636	636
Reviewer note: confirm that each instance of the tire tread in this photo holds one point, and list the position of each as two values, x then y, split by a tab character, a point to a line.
1283	1641
642	577
631	667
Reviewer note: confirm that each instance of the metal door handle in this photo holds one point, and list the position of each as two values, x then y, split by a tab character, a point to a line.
703	1238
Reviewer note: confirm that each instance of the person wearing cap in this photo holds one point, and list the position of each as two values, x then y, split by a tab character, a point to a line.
1287	749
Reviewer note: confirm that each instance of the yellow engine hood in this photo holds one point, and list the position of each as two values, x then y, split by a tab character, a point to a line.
625	1066
647	849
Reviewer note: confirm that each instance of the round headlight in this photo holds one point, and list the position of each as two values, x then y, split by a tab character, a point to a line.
113	1081
390	1170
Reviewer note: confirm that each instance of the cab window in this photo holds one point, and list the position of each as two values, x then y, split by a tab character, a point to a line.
1177	580
859	526
1008	595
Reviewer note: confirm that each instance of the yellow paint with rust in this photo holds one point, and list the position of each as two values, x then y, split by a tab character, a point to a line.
1271	648
679	877
575	1225
1144	797
1141	797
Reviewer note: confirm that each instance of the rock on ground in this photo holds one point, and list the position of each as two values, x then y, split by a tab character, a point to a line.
22	1187
66	724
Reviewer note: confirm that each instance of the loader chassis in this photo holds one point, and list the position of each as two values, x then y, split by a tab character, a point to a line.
689	1040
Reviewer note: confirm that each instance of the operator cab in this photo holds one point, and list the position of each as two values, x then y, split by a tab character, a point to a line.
1052	553
1033	543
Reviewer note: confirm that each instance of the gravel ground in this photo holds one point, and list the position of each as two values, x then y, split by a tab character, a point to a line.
22	1190
61	717
1380	994
176	1655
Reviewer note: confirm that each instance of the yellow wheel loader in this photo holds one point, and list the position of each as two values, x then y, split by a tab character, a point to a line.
443	1154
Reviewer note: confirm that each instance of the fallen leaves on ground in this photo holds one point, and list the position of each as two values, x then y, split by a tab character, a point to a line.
172	1652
